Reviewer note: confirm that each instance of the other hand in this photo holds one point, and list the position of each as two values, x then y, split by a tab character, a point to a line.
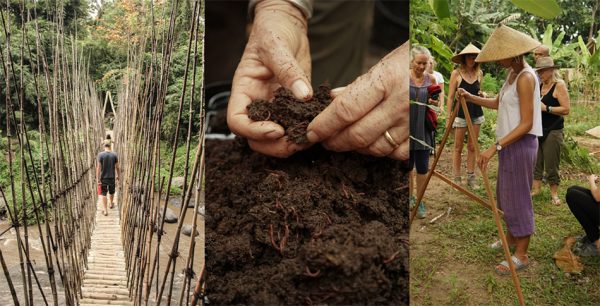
362	113
484	158
461	92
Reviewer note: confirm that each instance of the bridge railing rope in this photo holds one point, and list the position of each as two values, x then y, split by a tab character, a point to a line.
145	189
54	188
52	172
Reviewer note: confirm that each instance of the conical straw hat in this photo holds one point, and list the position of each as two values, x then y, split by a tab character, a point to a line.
469	49
506	42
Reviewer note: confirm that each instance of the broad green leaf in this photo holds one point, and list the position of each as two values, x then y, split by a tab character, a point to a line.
547	40
585	53
558	40
546	9
441	48
594	61
441	8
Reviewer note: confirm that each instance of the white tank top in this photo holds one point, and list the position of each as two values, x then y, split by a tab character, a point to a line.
509	114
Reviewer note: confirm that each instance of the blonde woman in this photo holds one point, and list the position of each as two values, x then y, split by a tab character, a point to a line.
420	79
518	126
555	105
467	76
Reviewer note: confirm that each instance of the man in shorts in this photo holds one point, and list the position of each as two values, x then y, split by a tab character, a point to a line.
107	172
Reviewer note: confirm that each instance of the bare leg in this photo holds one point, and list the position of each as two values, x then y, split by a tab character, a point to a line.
104	205
471	154
111	197
522	244
554	194
535	189
510	239
459	138
421	181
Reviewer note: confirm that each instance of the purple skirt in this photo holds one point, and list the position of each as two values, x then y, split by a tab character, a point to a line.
515	177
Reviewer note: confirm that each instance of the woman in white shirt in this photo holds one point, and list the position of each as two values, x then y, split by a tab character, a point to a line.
518	126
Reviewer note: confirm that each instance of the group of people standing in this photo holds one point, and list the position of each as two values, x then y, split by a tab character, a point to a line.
531	107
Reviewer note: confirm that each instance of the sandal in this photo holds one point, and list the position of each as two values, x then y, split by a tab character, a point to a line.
519	265
556	201
112	205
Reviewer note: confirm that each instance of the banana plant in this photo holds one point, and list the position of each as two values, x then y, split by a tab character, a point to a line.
546	9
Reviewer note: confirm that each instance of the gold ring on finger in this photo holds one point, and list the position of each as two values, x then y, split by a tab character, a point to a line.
390	139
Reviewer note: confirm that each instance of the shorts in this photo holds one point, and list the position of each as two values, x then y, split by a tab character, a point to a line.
107	186
462	123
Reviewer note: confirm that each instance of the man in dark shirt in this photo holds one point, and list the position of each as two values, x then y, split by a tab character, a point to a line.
107	172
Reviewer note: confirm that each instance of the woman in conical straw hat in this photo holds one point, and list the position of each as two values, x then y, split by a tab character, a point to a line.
467	76
519	124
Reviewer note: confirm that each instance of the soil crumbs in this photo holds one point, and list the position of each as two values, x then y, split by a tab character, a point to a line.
292	114
317	228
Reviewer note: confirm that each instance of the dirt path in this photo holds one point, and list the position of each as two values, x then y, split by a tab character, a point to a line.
446	274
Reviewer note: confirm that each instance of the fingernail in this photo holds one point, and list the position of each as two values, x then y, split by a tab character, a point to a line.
337	90
274	134
312	136
300	89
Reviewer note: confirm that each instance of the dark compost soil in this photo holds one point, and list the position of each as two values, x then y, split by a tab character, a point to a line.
316	228
292	114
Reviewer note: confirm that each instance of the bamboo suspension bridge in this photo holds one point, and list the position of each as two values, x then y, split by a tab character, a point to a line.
56	248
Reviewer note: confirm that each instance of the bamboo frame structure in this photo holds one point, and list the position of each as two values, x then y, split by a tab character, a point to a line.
59	184
490	204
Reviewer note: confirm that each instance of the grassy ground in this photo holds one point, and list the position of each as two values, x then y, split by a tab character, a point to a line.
451	263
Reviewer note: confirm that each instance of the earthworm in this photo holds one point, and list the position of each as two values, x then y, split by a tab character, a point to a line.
345	191
327	216
391	258
284	239
318	233
328	296
295	214
308	301
272	238
307	272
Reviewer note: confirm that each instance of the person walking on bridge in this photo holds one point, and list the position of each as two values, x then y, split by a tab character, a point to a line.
107	173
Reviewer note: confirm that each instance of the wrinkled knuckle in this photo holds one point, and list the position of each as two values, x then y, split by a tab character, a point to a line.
345	112
359	139
286	71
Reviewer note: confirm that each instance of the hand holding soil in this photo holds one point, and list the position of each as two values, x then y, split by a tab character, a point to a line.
291	113
363	111
277	55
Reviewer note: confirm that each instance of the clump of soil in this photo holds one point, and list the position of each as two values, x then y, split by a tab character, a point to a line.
317	228
292	114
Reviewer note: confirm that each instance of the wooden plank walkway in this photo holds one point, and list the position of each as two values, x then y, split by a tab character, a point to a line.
105	280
